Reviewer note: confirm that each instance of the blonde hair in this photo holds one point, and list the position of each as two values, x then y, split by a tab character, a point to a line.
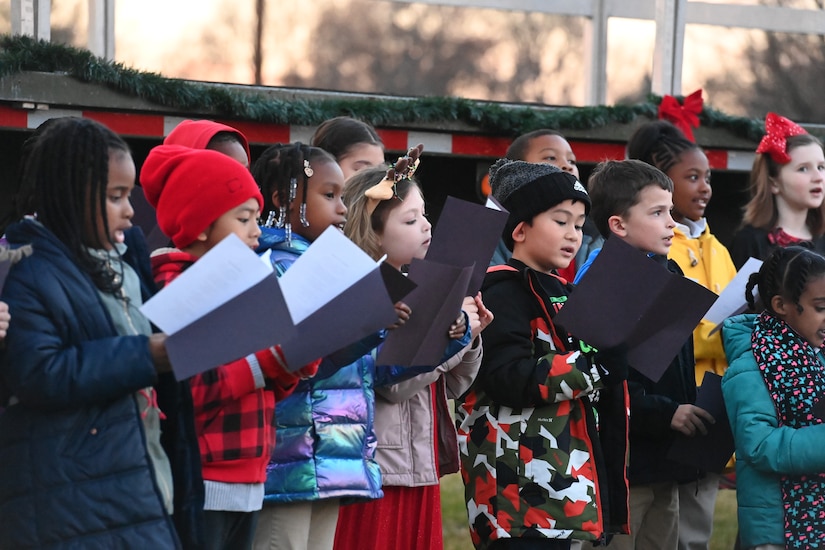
362	227
761	211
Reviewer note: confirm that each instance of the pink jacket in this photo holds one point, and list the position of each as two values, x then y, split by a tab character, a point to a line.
404	421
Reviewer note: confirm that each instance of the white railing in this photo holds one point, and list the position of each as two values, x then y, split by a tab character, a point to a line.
31	17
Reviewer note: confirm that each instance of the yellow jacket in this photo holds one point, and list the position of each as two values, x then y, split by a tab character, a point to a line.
706	261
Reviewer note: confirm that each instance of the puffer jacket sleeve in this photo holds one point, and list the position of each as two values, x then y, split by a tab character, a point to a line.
759	439
46	372
512	371
459	372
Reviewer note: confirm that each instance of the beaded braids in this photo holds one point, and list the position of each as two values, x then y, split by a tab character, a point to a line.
761	210
338	135
279	172
785	273
659	143
65	173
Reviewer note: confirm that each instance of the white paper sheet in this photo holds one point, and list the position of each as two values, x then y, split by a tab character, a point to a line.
331	265
732	299
493	203
228	269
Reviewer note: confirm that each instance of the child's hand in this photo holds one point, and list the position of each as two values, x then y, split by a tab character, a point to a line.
157	347
459	327
5	317
403	311
690	419
309	370
485	316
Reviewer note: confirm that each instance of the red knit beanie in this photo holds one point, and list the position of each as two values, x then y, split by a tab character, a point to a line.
197	134
191	188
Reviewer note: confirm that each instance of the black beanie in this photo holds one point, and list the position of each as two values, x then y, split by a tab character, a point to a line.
527	189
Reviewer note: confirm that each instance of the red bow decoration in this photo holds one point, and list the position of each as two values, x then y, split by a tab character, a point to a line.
683	115
777	131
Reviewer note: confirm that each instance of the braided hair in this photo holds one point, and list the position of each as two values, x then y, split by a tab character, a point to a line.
65	172
786	273
659	143
282	172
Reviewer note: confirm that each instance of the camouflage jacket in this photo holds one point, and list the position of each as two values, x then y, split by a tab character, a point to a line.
533	462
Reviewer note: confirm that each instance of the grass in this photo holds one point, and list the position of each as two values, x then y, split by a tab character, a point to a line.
457	535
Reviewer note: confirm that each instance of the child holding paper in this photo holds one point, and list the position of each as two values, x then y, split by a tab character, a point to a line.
773	393
80	437
537	472
547	146
416	433
632	201
325	451
202	196
702	258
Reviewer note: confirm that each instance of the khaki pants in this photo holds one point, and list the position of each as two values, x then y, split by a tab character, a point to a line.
697	502
308	525
654	519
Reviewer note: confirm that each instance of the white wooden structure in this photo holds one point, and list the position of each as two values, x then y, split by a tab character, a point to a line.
670	16
31	17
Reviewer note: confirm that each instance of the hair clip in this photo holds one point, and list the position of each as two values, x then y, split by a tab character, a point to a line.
406	166
386	189
777	131
684	115
308	169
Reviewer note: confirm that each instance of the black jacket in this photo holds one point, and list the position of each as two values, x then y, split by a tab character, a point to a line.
753	242
652	405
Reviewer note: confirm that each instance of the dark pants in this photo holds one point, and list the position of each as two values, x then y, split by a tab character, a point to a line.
229	530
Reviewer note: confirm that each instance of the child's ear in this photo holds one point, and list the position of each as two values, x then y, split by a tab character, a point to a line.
275	200
617	226
519	234
774	186
780	305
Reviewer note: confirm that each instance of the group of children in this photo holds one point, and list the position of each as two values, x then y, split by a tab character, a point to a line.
559	444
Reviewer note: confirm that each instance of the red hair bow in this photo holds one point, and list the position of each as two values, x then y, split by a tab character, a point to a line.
683	115
777	131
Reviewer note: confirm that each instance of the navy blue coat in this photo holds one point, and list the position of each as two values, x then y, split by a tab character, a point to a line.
74	468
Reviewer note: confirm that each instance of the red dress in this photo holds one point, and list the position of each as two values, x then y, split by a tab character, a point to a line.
407	518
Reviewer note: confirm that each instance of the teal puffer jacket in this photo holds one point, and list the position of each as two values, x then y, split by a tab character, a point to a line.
764	450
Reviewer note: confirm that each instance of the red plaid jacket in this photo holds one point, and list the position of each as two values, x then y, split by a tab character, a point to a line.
234	420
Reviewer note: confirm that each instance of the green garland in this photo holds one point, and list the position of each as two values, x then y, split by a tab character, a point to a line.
22	53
